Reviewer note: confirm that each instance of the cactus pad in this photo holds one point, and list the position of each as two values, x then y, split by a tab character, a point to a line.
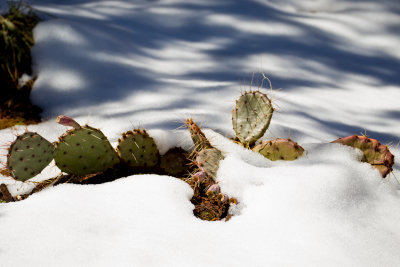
138	149
175	161
28	155
251	117
374	152
208	161
84	151
279	149
199	139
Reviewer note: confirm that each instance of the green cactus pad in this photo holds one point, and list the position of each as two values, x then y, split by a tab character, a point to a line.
374	152
28	155
251	117
208	161
279	149
199	139
137	149
84	151
175	162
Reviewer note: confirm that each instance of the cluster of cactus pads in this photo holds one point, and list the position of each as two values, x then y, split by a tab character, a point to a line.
251	118
83	151
86	151
374	152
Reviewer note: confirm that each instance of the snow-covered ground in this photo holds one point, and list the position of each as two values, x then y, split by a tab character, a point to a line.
123	64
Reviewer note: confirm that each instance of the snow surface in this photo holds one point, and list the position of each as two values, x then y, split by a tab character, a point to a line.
122	64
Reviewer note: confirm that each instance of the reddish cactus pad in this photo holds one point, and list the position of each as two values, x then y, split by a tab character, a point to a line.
374	152
199	139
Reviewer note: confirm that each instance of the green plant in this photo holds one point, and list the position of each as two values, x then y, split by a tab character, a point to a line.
374	152
279	149
83	150
28	155
137	149
16	39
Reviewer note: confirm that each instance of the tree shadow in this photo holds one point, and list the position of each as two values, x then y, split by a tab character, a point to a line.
126	49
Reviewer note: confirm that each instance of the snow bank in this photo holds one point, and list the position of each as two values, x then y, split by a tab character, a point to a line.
325	209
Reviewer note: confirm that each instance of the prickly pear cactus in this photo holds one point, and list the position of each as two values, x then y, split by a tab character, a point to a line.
137	149
374	152
28	155
175	162
208	161
199	139
251	117
84	150
279	149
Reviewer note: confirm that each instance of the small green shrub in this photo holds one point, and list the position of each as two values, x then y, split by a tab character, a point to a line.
16	40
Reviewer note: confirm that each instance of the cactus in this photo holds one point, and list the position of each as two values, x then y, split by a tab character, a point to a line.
374	152
208	161
279	149
28	155
199	139
137	149
175	162
83	150
251	117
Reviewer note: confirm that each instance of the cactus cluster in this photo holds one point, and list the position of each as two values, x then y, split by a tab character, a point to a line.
81	151
85	152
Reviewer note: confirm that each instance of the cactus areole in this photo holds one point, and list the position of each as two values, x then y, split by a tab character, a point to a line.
374	152
251	117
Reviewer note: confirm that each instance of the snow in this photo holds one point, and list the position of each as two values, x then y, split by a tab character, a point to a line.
123	64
